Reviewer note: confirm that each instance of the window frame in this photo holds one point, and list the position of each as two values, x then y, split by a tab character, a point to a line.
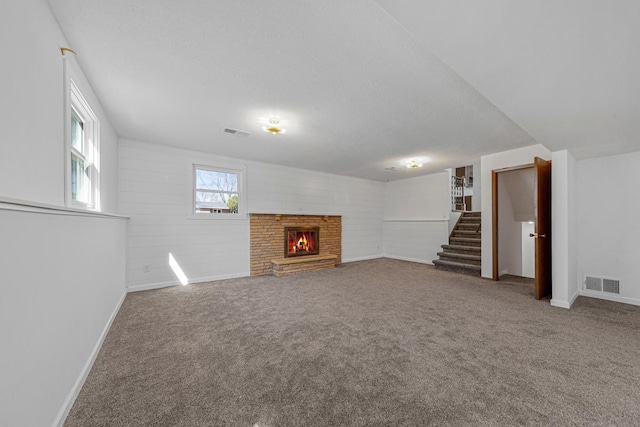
241	191
77	105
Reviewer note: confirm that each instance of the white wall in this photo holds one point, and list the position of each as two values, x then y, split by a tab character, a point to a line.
420	198
155	191
62	275
360	202
454	216
31	105
416	220
564	229
606	232
476	200
489	163
31	109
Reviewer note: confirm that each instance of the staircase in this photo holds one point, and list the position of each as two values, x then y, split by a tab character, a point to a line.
463	253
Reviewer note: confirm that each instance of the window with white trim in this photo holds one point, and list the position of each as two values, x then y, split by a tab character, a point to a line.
217	191
83	136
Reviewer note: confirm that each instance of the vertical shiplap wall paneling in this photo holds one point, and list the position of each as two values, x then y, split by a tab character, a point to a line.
155	192
360	202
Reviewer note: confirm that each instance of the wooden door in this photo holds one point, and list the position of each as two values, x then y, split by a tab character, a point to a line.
542	197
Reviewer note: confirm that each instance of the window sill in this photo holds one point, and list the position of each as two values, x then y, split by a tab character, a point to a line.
10	204
217	217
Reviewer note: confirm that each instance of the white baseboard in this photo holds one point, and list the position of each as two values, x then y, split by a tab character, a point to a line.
600	295
362	258
403	258
565	304
151	286
77	386
159	285
560	303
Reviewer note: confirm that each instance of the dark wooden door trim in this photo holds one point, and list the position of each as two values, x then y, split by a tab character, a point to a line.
494	220
542	188
515	168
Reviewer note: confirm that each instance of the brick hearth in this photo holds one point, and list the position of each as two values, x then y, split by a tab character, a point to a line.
290	266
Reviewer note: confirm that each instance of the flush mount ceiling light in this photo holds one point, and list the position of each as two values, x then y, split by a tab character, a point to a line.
274	127
414	165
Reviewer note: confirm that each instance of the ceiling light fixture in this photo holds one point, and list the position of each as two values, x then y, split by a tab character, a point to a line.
414	165
274	127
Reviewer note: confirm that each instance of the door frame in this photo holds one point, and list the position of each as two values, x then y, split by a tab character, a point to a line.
494	209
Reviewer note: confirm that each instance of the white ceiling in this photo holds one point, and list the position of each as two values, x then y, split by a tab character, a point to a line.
359	89
567	71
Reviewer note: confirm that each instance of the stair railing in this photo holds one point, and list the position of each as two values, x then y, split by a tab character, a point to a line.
457	193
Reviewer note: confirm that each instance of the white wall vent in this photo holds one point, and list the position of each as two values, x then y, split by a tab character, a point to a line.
593	283
236	132
610	285
602	284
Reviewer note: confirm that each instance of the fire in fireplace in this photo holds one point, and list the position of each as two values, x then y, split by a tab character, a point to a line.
300	241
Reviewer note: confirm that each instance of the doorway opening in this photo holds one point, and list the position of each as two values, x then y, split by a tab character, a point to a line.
521	205
462	189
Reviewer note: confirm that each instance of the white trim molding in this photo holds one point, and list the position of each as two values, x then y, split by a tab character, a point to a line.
169	284
18	205
84	373
614	298
402	258
362	258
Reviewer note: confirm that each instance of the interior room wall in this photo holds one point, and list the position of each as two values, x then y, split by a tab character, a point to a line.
155	192
360	202
476	200
564	226
416	217
63	278
31	112
454	216
32	103
517	157
607	206
62	275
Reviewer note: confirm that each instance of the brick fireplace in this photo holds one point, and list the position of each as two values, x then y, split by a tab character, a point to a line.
268	238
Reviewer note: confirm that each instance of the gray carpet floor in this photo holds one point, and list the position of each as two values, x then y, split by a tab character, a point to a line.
371	343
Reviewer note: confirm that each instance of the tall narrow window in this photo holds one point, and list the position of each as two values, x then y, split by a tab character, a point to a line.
83	152
79	172
216	191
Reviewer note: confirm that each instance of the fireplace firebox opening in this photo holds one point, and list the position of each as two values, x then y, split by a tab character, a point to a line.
299	241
